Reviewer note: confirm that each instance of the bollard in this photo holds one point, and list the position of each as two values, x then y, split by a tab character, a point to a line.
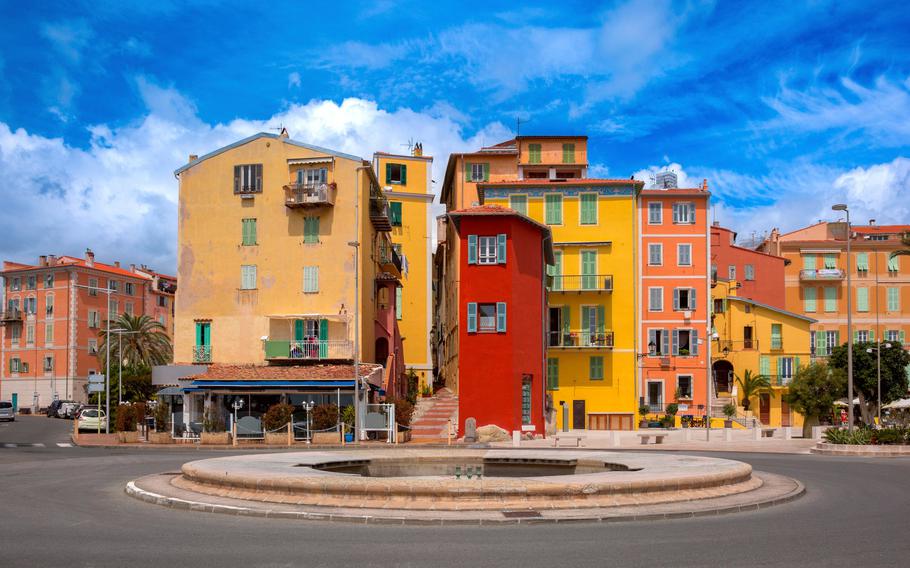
290	433
756	434
688	434
516	438
788	433
76	430
615	439
728	434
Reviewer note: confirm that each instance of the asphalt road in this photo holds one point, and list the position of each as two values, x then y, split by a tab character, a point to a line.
66	506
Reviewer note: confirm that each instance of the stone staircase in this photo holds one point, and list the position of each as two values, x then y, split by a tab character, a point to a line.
717	411
431	418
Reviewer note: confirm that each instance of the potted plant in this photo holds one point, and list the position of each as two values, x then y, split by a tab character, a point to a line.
683	352
672	409
125	421
349	417
275	422
162	433
403	412
213	429
325	424
729	412
643	413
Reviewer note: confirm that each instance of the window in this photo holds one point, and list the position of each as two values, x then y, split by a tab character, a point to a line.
830	261
830	299
395	213
684	255
878	237
809	261
685	342
15	284
596	368
248	277
479	172
809	299
31	305
49	333
49	364
862	262
248	231
684	387
113	285
396	173
777	341
92	346
311	229
202	351
861	336
658	342
588	208
893	264
114	309
785	369
526	399
519	203
48	280
556	270
568	153
655	213
552	373
398	301
553	207
719	305
162	320
533	153
15	333
684	299
312	177
162	301
310	279
731	272
248	178
894	335
93	318
862	299
49	305
486	250
812	344
825	342
128	308
592	326
128	288
487	317
15	365
655	299
589	270
656	396
749	272
30	334
683	214
93	286
894	299
32	282
655	254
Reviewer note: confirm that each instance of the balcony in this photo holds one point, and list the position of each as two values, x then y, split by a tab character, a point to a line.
202	354
304	195
822	274
308	349
580	340
581	283
10	316
389	261
379	214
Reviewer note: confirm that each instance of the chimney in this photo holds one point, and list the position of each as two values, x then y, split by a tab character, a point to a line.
132	268
871	222
194	157
117	263
52	260
89	257
704	184
716	223
42	260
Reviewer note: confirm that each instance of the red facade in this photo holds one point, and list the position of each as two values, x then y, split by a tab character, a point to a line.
502	303
760	275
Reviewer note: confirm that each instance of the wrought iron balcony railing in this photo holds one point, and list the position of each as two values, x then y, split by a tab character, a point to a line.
309	194
581	283
581	339
822	274
309	349
202	354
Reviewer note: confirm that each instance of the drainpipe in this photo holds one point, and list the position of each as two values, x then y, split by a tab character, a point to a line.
636	310
709	379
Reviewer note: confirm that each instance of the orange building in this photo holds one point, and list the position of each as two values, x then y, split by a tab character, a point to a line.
816	281
674	264
51	319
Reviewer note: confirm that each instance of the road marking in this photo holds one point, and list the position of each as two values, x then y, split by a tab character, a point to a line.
64	445
9	445
23	445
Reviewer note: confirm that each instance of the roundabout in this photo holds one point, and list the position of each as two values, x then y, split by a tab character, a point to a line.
433	486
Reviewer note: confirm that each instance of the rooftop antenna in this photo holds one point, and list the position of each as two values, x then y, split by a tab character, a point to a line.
282	131
518	122
410	145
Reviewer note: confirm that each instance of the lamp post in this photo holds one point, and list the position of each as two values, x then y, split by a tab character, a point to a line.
107	373
878	364
843	207
120	332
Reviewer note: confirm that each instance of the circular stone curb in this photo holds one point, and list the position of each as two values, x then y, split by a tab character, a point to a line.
775	490
866	451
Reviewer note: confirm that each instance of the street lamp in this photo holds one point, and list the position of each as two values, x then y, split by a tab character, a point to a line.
878	357
843	207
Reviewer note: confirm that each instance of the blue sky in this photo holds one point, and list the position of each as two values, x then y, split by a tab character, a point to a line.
785	107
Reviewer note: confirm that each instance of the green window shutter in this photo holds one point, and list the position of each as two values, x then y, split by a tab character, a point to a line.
809	262
310	279
568	153
589	269
764	365
776	342
486	172
467	171
810	295
830	261
534	153
795	366
398	294
830	299
553	202
588	208
820	343
500	249
298	330
862	299
323	339
472	317
388	173
862	261
566	319
245	231
500	316
872	335
894	303
780	365
519	203
893	263
472	249
404	174
553	373
601	320
310	230
395	213
900	336
585	319
596	368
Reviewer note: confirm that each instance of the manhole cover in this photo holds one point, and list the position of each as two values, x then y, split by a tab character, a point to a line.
527	514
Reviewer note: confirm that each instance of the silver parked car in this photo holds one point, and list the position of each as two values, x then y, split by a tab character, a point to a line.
6	411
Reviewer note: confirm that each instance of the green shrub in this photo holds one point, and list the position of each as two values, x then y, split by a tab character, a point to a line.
891	436
162	414
729	410
277	416
667	421
212	421
859	436
325	416
672	409
348	416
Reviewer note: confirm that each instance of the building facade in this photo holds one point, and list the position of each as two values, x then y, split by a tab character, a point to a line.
407	184
54	312
760	275
502	311
674	299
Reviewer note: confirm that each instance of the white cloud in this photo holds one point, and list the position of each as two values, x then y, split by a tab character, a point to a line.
293	79
682	178
69	38
118	195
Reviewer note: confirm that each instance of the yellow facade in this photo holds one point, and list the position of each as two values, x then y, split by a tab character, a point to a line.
768	341
248	311
410	199
591	364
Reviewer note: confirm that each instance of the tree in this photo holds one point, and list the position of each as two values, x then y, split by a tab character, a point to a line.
752	386
865	377
813	392
905	240
142	343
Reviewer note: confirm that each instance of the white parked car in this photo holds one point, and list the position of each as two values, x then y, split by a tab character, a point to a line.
6	411
92	419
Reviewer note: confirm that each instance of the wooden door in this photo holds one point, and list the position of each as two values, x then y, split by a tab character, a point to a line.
747	337
578	415
764	409
784	414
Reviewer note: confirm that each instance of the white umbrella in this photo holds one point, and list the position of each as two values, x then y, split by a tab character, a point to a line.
902	403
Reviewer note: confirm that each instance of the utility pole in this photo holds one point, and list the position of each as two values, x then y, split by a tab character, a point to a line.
843	207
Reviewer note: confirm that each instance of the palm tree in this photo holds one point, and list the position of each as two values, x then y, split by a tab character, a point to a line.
136	341
905	240
752	385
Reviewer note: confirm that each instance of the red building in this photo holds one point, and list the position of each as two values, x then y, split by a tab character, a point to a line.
502	302
760	275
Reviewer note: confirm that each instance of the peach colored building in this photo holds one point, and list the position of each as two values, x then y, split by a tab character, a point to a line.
674	297
51	319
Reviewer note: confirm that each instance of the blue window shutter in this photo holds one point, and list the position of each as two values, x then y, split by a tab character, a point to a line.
500	316
693	335
500	249
693	303
676	342
472	249
666	343
472	317
675	298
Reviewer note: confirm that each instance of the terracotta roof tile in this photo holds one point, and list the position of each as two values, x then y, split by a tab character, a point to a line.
572	181
219	372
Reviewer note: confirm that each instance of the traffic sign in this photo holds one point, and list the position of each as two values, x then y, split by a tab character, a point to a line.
95	387
96	379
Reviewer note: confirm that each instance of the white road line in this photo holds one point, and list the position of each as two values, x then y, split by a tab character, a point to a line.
35	445
9	445
64	445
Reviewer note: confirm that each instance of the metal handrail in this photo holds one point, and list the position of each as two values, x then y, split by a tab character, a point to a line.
580	338
581	283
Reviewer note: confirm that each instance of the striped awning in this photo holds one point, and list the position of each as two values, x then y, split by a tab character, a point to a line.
307	161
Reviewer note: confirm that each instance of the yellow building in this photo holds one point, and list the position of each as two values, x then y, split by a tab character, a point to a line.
274	296
749	335
407	184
